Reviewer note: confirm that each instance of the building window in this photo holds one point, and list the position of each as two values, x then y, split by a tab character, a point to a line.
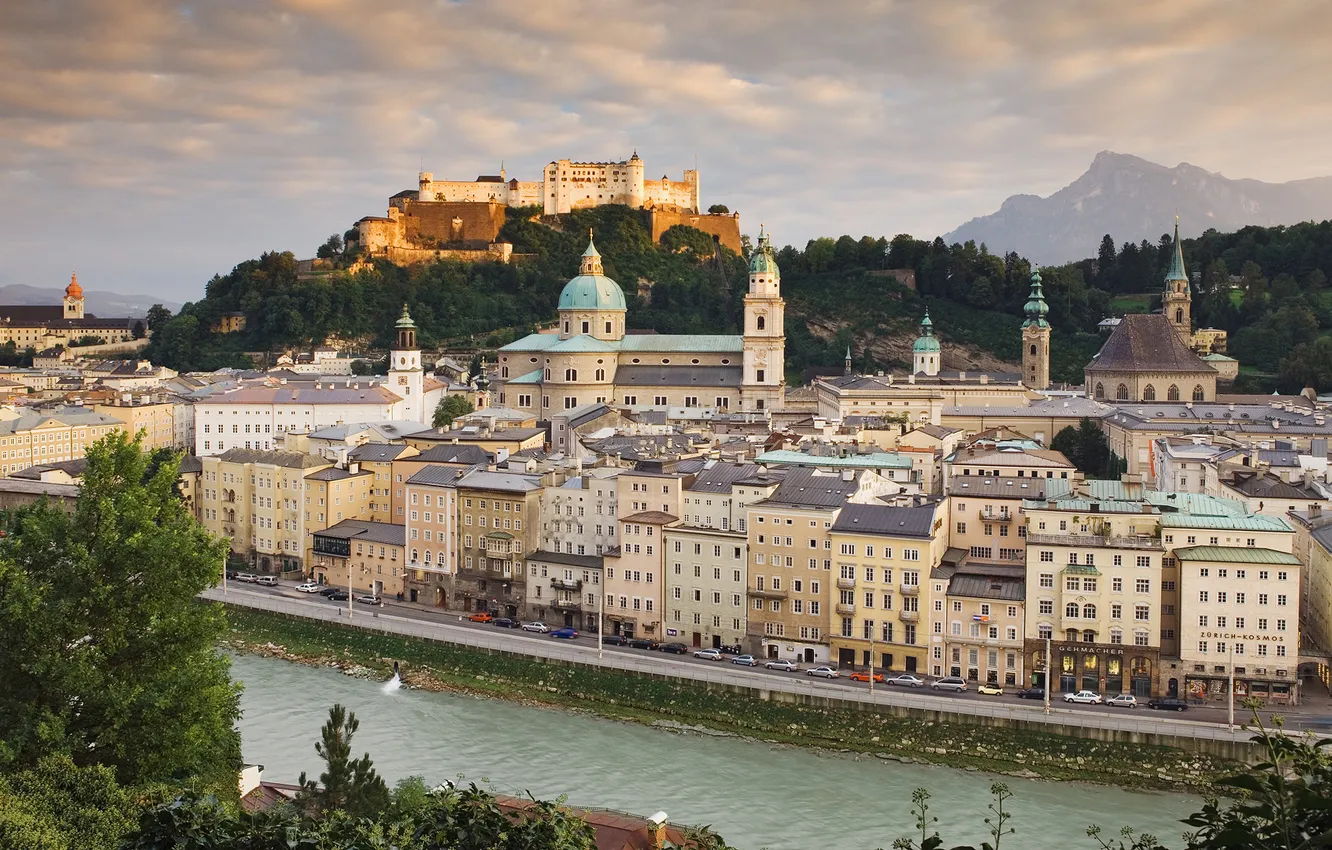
1198	393
1121	393
1149	393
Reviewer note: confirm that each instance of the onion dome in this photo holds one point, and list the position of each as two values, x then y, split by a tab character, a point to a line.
926	341
1036	308
764	261
73	290
591	289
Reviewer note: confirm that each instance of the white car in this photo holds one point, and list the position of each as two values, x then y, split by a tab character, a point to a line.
709	654
536	627
369	599
308	587
1088	697
906	680
1122	701
783	665
823	672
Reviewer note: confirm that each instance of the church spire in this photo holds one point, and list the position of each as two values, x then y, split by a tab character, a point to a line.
591	258
1176	271
1036	308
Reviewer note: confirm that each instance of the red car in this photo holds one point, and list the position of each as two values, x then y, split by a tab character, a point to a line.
482	617
858	676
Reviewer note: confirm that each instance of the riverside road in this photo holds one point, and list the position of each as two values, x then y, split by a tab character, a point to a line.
421	621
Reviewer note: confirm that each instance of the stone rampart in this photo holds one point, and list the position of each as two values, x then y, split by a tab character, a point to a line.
726	227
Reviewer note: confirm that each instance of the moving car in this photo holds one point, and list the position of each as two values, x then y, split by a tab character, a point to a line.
1167	704
709	654
541	628
247	577
481	617
860	676
505	623
990	690
369	599
615	640
783	665
267	581
1085	697
1122	701
643	643
823	672
564	633
745	661
906	680
329	591
339	596
675	648
1031	693
308	587
950	683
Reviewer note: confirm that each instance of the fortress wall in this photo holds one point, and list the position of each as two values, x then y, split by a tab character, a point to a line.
470	225
726	227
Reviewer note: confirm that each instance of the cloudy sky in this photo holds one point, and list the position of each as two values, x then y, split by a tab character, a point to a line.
148	145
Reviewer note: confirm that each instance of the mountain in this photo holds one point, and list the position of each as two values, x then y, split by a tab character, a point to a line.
1133	199
99	302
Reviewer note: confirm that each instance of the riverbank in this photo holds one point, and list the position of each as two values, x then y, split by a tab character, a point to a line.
681	707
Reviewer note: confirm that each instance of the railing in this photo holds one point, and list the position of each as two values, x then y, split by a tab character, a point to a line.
908	616
1002	515
1094	541
568	604
566	584
766	594
846	608
581	652
846	583
910	590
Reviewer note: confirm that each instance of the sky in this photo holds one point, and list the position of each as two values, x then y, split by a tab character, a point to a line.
149	145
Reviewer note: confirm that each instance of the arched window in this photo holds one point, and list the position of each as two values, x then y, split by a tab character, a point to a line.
1172	394
427	556
601	374
1149	393
1089	612
547	374
1179	315
440	560
1071	610
1100	390
1033	350
1089	636
1072	636
1121	393
570	374
1198	393
566	327
415	556
759	322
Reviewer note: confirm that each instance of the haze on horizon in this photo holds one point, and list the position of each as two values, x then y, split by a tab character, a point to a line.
148	145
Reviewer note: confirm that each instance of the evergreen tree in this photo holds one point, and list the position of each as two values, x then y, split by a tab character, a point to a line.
348	785
449	409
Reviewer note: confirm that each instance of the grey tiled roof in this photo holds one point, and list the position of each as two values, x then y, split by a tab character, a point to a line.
1003	587
586	561
1146	342
451	453
886	519
815	488
720	476
370	532
439	476
678	376
376	452
295	460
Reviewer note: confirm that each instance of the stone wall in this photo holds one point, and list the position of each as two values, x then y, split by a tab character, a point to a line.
498	252
451	225
725	227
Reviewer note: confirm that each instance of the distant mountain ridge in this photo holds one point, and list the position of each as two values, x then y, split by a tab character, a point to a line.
1133	199
107	305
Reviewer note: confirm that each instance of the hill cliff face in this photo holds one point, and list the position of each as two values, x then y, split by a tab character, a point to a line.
1133	199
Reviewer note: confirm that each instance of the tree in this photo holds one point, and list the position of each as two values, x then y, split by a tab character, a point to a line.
331	249
362	367
719	209
139	331
450	409
1084	446
108	657
157	317
58	805
347	784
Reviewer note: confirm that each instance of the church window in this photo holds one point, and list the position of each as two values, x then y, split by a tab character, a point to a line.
504	371
1179	316
608	327
1100	390
547	374
758	375
566	327
1198	393
1033	350
601	374
587	326
759	322
1121	393
1149	393
570	374
1172	394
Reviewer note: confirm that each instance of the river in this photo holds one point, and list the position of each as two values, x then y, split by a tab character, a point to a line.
755	795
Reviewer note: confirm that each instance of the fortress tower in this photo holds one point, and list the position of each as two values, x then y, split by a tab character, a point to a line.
1036	338
1176	302
763	383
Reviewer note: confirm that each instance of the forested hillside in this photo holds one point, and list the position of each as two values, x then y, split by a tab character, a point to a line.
1266	286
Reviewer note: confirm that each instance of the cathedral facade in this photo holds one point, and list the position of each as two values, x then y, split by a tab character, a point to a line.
591	357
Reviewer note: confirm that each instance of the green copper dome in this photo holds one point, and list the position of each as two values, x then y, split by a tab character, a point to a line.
405	320
763	260
591	289
1036	308
926	342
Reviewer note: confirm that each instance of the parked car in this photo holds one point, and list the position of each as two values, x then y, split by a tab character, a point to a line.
232	575
329	591
823	672
1167	704
990	689
615	640
568	634
505	623
1031	693
1085	697
267	581
643	643
247	577
481	617
950	683
863	676
1122	701
541	628
906	680
308	587
369	599
675	648
745	661
339	596
708	654
783	665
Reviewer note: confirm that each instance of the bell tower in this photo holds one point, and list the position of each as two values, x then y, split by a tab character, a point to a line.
406	377
1176	302
73	300
763	381
1036	338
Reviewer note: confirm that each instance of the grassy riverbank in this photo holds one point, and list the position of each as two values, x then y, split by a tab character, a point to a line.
684	706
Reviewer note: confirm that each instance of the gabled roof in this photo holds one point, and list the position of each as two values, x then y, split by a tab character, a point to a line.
377	452
1268	486
887	520
651	517
436	475
1147	342
371	532
719	477
293	460
1237	555
468	453
814	488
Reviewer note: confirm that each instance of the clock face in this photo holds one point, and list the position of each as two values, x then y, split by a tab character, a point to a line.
402	380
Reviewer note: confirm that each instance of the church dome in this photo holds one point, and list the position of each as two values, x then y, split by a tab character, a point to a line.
763	260
926	342
1036	309
73	290
591	289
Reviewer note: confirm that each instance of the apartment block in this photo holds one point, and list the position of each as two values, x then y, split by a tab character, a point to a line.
431	532
499	523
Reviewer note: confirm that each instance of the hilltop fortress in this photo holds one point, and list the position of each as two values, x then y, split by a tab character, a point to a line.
462	219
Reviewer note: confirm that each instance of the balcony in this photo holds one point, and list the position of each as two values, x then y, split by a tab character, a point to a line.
908	616
1095	541
567	604
846	583
766	594
566	584
910	590
846	608
996	515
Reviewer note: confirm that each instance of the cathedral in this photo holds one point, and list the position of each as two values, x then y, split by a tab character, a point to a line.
590	357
